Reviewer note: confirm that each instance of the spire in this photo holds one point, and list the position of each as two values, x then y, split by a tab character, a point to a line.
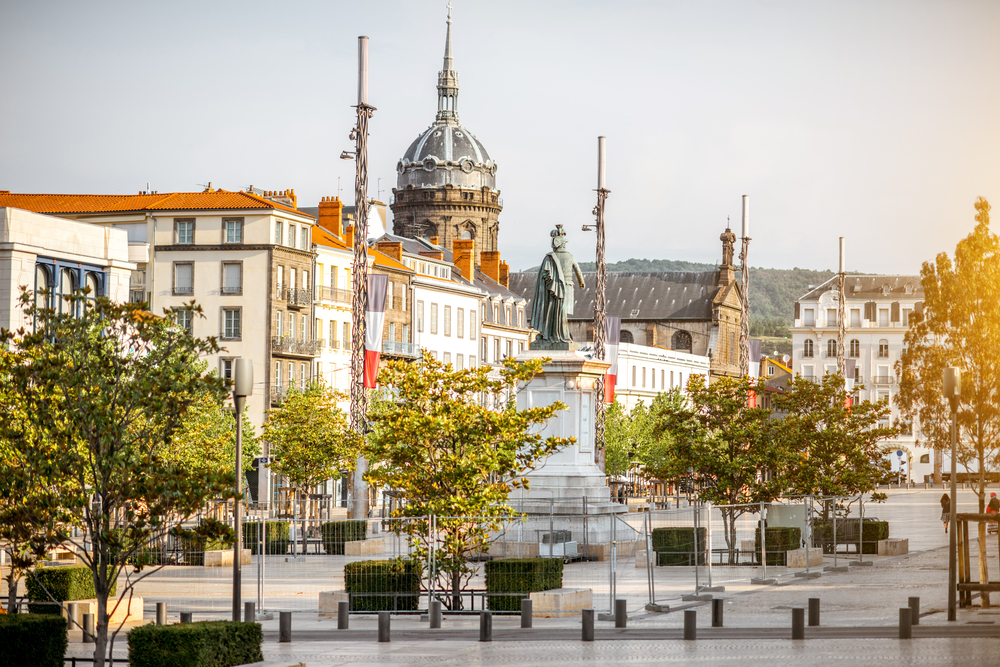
447	83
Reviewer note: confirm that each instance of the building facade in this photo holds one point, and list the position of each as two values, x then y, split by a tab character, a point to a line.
645	371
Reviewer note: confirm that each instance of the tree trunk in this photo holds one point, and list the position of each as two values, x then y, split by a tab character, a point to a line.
984	597
101	642
12	582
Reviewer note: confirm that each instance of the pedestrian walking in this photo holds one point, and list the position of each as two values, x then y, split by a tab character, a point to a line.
945	510
992	508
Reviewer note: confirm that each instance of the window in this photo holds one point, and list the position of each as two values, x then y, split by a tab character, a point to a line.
925	458
883	349
184	231
319	369
855	348
732	347
406	333
304	239
857	373
231	329
807	349
653	378
459	361
681	340
303	375
291	236
883	317
317	328
333	277
280	282
402	297
809	318
277	374
472	324
855	317
420	316
460	322
305	280
662	378
233	230
671	379
447	320
643	377
520	317
496	350
506	314
41	285
388	294
348	345
226	369
434	318
626	337
291	325
510	348
291	374
184	319
906	317
831	317
232	277
279	226
633	376
183	278
279	321
67	283
831	348
389	332
472	362
484	347
291	278
447	357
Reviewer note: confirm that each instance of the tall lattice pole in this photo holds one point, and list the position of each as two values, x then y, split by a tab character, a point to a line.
745	301
841	316
359	279
600	304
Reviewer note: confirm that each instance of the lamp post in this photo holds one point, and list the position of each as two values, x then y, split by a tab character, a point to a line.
600	302
953	392
242	387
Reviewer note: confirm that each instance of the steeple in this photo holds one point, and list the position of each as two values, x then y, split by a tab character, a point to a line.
447	83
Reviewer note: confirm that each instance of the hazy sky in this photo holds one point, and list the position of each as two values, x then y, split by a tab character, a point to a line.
878	121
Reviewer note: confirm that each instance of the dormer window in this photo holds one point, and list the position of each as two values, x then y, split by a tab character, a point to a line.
885	289
908	288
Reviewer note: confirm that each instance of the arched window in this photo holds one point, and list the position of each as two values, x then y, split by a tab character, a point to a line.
42	283
67	283
93	287
831	347
681	340
855	348
626	337
807	348
883	349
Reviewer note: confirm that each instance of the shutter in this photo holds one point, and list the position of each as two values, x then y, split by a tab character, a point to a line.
797	314
870	310
894	312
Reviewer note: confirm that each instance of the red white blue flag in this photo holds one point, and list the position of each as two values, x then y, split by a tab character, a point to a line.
613	331
374	324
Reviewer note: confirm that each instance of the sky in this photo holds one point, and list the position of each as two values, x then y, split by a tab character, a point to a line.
877	121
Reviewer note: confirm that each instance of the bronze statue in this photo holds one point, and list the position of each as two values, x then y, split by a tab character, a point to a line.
728	239
554	293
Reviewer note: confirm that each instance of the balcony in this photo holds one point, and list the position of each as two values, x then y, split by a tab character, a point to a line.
399	349
136	295
289	345
295	297
278	393
230	289
333	295
183	290
882	379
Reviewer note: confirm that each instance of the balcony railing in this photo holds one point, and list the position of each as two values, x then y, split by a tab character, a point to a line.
882	379
400	349
295	296
230	289
184	290
811	378
136	295
289	345
333	295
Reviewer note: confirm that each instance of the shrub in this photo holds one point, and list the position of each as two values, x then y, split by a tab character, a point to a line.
779	540
275	537
202	644
521	576
32	639
64	584
335	533
384	576
847	533
676	546
209	535
871	533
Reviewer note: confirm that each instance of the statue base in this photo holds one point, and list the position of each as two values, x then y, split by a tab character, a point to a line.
557	346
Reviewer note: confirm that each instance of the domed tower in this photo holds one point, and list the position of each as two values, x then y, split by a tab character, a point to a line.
446	183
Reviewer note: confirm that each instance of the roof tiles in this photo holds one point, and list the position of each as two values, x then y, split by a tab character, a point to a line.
169	201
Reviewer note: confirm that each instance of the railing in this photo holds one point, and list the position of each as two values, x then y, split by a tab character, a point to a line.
289	345
882	379
136	295
278	392
333	295
400	349
320	342
296	296
183	290
811	378
232	290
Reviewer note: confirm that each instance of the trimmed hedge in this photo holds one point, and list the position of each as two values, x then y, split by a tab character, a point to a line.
521	576
202	644
64	583
675	546
779	540
335	533
32	639
275	537
873	530
384	576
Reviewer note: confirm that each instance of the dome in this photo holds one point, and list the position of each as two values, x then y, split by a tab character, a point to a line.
446	153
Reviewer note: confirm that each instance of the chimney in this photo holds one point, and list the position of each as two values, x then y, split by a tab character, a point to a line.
434	240
349	236
461	250
504	274
489	263
437	254
331	216
393	249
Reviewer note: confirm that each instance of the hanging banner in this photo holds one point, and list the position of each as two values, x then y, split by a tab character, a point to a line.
374	324
613	331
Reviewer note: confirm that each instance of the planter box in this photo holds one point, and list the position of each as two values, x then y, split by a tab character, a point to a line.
364	547
561	602
796	558
893	547
224	558
128	610
328	601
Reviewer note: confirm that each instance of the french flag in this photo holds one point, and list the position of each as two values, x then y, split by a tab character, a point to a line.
613	331
374	324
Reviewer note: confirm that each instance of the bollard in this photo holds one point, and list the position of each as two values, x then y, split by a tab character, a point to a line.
285	627
526	613
690	624
905	626
435	614
621	613
813	612
343	609
588	625
383	626
161	613
249	612
485	626
914	604
798	623
186	617
717	612
71	614
88	629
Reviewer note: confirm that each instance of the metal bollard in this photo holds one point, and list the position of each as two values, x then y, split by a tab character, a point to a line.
690	624
905	626
798	623
435	614
588	625
161	613
621	613
383	626
485	626
914	604
284	627
186	617
526	613
71	614
717	610
249	612
813	612
88	629
343	610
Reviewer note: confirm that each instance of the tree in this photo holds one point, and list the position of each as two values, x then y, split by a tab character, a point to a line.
311	437
451	457
102	390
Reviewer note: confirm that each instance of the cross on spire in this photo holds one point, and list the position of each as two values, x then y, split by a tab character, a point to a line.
448	82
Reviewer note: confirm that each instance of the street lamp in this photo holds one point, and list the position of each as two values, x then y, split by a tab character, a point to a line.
953	392
242	387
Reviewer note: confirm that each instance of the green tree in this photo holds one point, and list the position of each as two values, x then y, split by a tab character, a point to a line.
102	389
451	457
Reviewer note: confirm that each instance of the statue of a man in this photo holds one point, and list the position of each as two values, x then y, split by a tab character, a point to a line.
554	292
728	240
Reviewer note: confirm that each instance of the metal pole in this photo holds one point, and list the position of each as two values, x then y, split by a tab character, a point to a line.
614	560
953	522
835	533
696	582
806	505
745	291
763	540
600	302
242	387
708	540
841	316
646	525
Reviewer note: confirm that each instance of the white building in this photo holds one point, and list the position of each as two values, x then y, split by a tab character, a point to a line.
878	311
333	310
644	372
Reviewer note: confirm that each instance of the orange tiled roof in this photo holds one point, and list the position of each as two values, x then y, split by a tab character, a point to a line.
325	237
169	201
387	262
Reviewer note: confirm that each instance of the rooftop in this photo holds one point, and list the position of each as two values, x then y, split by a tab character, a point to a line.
209	200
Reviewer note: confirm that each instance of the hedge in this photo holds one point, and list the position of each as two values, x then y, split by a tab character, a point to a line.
64	583
521	576
779	540
275	537
675	546
335	533
38	640
383	576
202	644
873	530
